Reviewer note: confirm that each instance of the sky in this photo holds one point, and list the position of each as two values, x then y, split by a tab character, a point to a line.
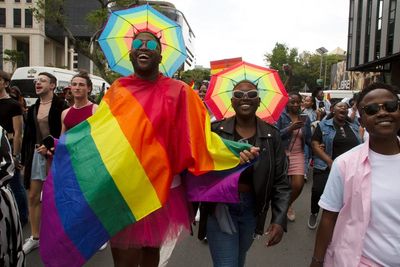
250	28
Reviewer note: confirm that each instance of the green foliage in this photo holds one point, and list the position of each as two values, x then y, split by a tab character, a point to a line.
196	75
51	11
305	66
14	57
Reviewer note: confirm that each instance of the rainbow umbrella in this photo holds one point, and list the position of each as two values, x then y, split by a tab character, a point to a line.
122	25
271	90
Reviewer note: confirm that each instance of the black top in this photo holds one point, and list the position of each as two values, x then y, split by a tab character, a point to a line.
246	177
344	139
9	108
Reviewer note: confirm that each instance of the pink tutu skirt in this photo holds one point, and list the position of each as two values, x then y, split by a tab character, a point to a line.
161	226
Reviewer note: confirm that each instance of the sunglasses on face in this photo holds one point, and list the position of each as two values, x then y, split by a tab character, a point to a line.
389	106
249	94
150	44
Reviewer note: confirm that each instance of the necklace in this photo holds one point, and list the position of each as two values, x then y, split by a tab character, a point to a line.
4	96
46	102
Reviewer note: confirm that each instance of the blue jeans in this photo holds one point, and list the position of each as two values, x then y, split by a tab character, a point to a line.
20	196
229	250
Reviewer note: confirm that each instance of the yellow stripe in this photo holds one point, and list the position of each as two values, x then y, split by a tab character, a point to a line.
223	158
122	163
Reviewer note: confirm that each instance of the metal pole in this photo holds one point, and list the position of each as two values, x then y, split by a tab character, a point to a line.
320	68
326	57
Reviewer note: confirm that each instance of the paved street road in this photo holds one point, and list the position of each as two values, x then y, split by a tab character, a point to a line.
294	250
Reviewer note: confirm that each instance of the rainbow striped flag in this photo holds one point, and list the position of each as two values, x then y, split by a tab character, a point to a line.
117	166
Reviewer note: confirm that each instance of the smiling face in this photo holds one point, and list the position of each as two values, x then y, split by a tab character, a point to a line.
144	59
308	102
294	104
384	123
246	101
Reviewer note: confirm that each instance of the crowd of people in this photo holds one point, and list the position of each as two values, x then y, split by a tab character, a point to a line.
355	176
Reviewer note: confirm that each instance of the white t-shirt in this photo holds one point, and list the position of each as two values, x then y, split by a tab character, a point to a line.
382	238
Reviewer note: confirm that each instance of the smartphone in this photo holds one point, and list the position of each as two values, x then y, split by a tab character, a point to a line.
48	142
303	117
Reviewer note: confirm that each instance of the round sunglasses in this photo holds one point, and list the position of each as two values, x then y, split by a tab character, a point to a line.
389	106
150	44
241	94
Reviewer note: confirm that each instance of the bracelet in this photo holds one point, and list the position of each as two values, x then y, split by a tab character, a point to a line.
316	260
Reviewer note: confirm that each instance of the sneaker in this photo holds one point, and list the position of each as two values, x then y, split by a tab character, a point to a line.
103	247
30	244
312	221
291	215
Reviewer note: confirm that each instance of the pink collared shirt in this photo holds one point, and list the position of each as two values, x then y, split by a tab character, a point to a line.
345	249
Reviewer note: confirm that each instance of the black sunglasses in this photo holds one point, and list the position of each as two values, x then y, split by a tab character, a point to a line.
249	94
389	106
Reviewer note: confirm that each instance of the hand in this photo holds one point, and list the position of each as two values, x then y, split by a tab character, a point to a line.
17	162
322	146
42	150
246	156
296	125
274	234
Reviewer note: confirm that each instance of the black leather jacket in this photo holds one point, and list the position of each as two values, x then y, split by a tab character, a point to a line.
270	180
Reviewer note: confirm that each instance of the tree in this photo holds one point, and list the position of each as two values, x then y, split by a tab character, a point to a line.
52	11
305	66
14	57
196	75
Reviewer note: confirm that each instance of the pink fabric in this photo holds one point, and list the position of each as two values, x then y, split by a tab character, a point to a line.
296	155
347	241
161	226
77	115
368	263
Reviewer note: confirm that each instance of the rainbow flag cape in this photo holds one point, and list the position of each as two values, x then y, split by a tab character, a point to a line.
117	166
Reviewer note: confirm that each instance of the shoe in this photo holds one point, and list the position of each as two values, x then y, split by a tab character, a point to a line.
103	247
30	244
291	215
312	221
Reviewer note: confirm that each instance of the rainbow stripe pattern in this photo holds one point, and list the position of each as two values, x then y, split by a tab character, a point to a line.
117	166
122	25
271	91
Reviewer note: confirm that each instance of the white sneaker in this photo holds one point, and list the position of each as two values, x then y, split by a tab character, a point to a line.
30	244
103	247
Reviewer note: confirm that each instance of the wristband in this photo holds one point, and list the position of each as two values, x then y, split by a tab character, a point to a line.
17	157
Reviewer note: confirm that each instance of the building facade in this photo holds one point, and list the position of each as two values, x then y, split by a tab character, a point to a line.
374	38
44	44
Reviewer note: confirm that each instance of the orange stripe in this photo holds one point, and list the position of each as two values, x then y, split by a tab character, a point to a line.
197	112
152	155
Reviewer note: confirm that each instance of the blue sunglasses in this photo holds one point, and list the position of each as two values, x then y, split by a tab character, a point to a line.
150	44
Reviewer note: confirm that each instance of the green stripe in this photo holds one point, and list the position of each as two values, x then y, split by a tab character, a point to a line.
235	147
95	181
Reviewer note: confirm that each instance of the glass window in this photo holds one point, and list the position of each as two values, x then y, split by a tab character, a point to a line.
2	17
392	20
17	1
28	18
29	1
17	17
1	54
378	30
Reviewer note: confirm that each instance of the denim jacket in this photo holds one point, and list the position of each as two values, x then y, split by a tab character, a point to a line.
283	124
328	134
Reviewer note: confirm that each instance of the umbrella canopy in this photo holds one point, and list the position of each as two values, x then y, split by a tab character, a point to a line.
122	26
271	91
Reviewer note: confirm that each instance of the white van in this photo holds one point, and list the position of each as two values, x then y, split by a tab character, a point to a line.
23	78
340	94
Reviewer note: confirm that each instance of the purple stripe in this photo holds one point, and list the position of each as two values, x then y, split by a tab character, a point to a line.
53	238
215	186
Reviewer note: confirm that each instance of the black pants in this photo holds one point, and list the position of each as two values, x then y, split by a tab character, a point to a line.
320	178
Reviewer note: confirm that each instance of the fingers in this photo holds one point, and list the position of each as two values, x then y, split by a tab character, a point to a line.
248	155
273	235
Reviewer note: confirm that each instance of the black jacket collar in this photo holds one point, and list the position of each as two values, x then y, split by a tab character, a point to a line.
228	126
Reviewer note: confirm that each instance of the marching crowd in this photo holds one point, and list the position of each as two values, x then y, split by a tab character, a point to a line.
355	175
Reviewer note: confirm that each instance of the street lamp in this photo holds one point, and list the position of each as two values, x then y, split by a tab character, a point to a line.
322	50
